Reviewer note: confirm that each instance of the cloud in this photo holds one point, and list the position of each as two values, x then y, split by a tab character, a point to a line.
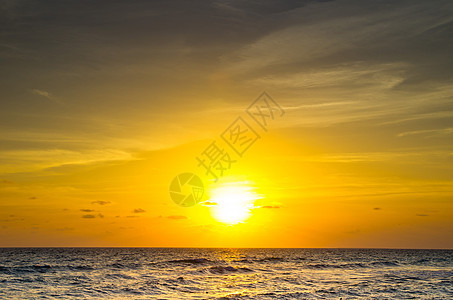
138	211
89	216
208	203
6	182
384	76
101	202
421	117
176	217
377	208
355	231
65	229
428	132
46	94
53	160
422	215
270	206
42	93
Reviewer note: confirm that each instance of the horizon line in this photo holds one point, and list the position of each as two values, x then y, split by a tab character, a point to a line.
151	247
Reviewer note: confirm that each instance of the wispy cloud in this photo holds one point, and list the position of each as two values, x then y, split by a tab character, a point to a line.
32	160
47	95
355	75
428	132
42	93
388	156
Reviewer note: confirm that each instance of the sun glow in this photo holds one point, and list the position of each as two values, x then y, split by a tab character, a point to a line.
232	203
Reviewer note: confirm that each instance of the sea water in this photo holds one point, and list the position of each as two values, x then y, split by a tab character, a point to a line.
205	273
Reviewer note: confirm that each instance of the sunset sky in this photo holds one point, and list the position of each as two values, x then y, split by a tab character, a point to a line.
103	103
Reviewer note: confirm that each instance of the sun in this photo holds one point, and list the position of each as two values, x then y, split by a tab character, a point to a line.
232	202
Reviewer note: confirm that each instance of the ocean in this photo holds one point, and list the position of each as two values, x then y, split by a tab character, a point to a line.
205	273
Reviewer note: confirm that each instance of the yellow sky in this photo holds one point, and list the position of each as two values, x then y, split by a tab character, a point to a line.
102	106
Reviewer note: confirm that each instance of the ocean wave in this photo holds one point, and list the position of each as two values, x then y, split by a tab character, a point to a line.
119	276
264	259
384	264
31	269
337	266
264	274
43	269
79	268
270	259
358	265
190	261
227	269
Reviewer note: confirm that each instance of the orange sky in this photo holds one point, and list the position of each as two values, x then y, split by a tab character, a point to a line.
103	105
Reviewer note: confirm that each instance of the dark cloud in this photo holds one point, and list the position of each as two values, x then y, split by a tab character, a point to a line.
65	229
6	182
255	43
270	206
422	215
89	216
125	228
138	211
87	210
101	202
